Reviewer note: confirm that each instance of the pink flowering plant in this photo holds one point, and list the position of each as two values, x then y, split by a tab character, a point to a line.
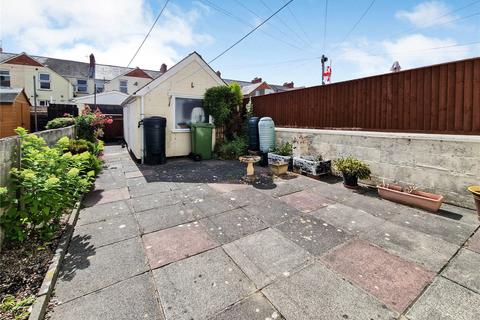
90	124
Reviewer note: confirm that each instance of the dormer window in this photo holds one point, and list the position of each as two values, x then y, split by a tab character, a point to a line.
82	85
123	86
44	80
4	78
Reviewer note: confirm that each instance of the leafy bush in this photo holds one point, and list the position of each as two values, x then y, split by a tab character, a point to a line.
60	123
17	309
351	166
285	149
47	182
231	150
90	124
219	102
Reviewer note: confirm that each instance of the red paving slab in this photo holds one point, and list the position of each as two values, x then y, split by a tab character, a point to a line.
474	242
170	245
392	280
105	196
227	187
305	201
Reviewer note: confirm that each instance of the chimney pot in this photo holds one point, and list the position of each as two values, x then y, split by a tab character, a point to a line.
257	80
219	74
91	67
288	84
163	68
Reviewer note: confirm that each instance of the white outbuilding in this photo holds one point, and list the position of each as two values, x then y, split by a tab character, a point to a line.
176	95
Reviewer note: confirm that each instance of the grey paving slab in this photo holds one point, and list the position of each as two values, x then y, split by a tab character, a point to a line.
460	214
197	193
108	182
347	218
106	232
464	269
133	298
314	235
201	286
165	217
282	189
151	188
431	252
272	212
474	242
232	225
249	196
134	182
94	269
317	293
216	205
155	200
435	225
446	300
336	192
103	211
100	196
255	307
376	206
266	255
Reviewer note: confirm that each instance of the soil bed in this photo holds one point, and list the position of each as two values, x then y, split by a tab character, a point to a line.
23	267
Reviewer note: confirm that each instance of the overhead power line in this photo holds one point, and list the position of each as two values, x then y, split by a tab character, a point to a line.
250	32
355	25
149	31
325	26
299	24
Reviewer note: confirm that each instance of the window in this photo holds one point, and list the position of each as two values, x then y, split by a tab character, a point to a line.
82	85
4	78
43	103
124	86
44	79
99	86
188	110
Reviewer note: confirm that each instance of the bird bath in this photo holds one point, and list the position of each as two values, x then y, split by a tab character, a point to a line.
249	160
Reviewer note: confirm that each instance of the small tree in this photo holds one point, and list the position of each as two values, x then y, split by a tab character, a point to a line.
218	102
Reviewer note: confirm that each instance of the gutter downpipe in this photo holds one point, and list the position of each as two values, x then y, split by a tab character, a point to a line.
142	116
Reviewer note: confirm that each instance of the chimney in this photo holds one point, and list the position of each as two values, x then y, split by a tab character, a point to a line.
163	68
219	74
91	67
257	80
288	84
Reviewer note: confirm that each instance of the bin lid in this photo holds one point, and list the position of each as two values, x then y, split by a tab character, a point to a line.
202	125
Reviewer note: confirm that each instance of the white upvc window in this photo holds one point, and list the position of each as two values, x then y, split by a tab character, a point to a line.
187	110
4	78
82	85
123	86
44	81
43	103
99	86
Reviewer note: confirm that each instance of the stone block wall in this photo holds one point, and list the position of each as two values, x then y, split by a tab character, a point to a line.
444	164
10	150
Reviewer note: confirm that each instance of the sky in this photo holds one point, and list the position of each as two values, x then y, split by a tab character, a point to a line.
286	48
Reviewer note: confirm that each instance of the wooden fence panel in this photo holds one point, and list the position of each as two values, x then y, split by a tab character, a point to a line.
443	98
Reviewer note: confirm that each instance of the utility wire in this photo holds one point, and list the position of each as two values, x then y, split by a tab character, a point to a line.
231	15
325	26
299	24
355	25
149	31
251	31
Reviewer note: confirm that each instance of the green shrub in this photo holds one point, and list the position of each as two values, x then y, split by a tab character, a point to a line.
231	150
47	183
60	123
285	149
90	124
351	166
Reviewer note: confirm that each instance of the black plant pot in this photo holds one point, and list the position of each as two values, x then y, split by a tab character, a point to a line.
350	181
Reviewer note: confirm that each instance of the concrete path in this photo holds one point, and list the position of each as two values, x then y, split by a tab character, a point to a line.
184	241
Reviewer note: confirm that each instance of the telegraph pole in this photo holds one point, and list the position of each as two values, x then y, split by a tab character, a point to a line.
324	59
35	102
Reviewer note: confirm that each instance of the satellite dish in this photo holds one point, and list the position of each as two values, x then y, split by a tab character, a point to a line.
396	67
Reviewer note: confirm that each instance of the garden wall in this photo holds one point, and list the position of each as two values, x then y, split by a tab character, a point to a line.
9	152
444	164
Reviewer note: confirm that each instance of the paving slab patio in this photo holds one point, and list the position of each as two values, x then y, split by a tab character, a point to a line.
190	240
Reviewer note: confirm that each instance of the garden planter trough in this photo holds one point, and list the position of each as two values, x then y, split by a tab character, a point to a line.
276	158
419	199
308	164
475	191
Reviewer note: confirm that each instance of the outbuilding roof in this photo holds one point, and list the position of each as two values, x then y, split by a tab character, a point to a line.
8	95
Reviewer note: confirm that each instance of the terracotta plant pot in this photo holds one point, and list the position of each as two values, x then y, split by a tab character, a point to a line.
475	191
420	199
350	182
279	169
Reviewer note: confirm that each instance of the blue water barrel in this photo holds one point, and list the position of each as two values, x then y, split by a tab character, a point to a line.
266	132
253	140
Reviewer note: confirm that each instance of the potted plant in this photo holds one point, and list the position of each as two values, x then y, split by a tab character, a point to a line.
314	165
279	167
475	191
282	153
411	196
352	169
